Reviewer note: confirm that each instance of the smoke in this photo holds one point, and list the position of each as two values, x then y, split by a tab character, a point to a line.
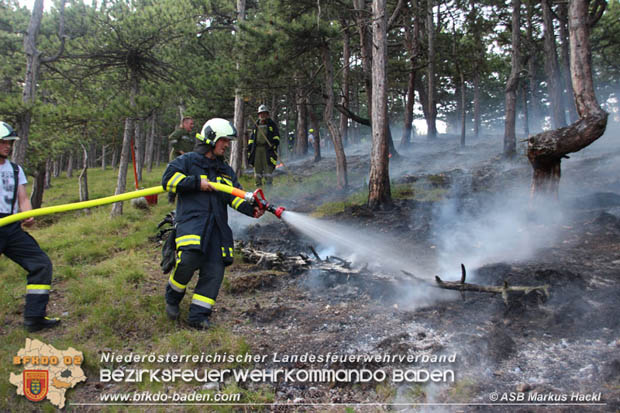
503	227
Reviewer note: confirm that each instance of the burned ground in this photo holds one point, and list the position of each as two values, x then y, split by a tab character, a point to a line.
566	342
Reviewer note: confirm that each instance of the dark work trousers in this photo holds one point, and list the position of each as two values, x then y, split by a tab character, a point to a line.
21	248
210	275
172	197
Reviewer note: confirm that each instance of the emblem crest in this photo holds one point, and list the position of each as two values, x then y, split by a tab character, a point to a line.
36	384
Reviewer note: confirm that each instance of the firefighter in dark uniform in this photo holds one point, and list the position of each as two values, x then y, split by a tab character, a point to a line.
263	147
17	244
204	241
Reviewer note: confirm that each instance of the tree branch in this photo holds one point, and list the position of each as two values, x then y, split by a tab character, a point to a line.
61	36
346	112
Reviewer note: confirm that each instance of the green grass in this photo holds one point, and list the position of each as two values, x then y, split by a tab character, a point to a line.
418	191
108	290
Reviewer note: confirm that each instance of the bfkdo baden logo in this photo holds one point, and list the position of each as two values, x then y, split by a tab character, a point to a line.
36	384
47	372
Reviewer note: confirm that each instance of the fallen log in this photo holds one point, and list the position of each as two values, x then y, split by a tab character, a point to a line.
504	290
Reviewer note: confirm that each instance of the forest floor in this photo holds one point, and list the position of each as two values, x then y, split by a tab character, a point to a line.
562	349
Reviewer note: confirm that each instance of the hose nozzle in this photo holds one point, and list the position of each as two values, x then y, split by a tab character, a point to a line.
258	198
276	211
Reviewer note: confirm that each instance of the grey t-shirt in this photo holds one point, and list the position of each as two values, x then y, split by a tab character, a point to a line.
7	186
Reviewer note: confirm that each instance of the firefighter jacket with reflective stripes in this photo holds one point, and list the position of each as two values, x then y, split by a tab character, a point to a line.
201	215
268	135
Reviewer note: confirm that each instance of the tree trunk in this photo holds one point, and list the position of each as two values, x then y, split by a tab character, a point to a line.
83	179
48	174
158	146
361	19
538	113
545	150
552	70
412	39
121	182
346	59
476	103
92	153
463	107
526	116
104	153
150	142
328	116
38	186
70	165
379	180
56	167
236	148
510	139
114	160
354	131
419	84
431	120
34	58
139	144
565	57
301	132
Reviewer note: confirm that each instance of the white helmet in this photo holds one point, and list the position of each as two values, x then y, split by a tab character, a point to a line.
263	108
215	129
7	132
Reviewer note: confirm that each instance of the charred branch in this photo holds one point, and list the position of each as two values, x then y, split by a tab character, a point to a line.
505	290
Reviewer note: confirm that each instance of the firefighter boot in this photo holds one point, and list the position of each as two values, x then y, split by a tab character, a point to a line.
200	325
173	311
33	324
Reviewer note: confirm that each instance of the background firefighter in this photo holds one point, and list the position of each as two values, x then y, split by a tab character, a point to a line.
263	147
181	141
204	241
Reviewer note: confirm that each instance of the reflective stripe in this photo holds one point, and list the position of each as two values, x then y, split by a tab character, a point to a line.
276	138
225	181
273	161
237	202
231	252
175	285
178	261
187	240
251	141
270	129
203	301
223	252
171	186
38	289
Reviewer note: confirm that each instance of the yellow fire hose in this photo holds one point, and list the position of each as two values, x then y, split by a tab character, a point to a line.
248	196
80	205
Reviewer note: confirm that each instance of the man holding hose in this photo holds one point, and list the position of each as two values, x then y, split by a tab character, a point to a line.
204	241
